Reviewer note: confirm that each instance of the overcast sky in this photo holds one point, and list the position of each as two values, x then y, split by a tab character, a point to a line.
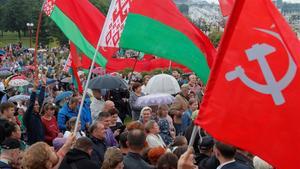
283	0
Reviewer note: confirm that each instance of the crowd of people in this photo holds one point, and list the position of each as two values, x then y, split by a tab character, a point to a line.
113	132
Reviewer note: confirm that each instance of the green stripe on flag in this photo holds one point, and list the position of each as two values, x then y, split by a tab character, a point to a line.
150	36
73	33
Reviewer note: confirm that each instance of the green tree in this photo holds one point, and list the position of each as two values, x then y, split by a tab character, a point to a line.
215	37
102	5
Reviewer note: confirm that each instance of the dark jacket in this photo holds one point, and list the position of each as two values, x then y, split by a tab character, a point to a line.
78	158
135	161
235	165
4	165
32	121
99	149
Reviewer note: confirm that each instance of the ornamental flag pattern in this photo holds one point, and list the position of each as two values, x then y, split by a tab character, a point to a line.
115	23
49	6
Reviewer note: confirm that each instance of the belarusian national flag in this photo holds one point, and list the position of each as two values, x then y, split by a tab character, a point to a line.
157	27
73	69
252	99
81	22
226	7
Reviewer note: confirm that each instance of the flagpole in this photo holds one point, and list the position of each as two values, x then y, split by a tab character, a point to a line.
37	39
86	85
193	136
130	78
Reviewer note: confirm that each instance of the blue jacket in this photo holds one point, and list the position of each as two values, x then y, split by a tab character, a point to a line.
186	119
86	115
32	121
65	114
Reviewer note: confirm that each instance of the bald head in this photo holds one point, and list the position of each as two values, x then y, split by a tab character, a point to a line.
108	105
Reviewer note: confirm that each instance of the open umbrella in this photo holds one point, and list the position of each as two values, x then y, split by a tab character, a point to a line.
4	68
154	99
66	80
2	52
5	73
19	77
63	95
18	82
162	83
18	98
30	67
107	82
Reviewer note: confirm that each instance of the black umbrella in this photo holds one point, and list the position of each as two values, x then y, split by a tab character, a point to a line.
107	82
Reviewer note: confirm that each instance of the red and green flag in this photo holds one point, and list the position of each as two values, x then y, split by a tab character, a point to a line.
82	24
157	27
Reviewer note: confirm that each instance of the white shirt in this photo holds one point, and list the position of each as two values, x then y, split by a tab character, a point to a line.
96	107
155	141
222	165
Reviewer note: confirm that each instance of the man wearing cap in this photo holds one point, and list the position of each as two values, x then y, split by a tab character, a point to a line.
10	149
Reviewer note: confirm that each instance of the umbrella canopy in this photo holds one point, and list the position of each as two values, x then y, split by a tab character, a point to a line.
154	99
63	95
5	73
67	80
19	77
107	82
4	68
19	98
30	67
162	83
2	52
50	81
18	82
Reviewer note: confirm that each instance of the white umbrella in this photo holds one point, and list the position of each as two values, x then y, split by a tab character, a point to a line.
18	82
162	83
154	99
18	98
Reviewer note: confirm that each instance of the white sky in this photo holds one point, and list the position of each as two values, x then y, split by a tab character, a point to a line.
284	0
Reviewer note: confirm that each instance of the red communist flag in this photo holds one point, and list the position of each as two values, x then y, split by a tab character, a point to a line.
252	100
226	6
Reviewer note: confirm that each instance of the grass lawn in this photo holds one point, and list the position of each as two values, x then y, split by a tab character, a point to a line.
12	38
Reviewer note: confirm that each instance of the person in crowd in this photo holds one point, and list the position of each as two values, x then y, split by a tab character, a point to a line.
80	156
10	150
194	86
115	124
108	105
135	125
134	95
177	76
166	132
178	142
154	154
205	150
41	156
70	126
145	82
136	141
97	135
13	131
167	161
180	150
50	123
113	159
177	121
145	115
32	119
181	100
105	119
225	154
68	111
187	115
97	103
7	111
123	143
86	116
153	138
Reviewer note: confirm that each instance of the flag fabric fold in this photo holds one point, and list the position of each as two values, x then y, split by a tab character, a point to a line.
251	98
157	27
82	23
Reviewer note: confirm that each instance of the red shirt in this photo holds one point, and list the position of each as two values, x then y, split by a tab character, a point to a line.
51	129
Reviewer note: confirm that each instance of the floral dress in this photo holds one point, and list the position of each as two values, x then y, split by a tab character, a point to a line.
165	130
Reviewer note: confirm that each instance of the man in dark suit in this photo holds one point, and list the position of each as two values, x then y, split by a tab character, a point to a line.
225	154
133	160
